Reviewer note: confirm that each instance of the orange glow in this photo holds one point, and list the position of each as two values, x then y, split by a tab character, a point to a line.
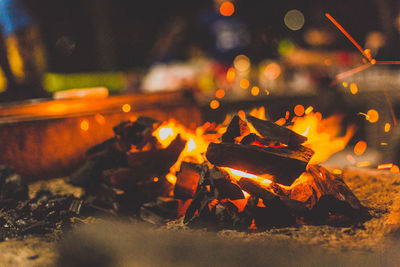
155	179
287	114
345	84
385	166
84	125
281	121
230	74
353	88
244	83
360	148
258	113
322	135
372	116
227	9
214	104
272	71
387	127
126	108
57	108
267	92
171	178
308	110
100	119
236	174
164	133
395	169
255	90
384	144
337	171
299	110
363	164
242	115
220	93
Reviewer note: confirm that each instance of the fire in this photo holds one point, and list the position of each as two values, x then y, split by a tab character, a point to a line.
322	135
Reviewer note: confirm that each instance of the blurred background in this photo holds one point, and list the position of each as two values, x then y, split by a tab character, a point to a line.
232	55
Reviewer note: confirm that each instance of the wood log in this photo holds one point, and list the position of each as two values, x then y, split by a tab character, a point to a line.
187	179
275	132
255	189
318	182
236	128
284	164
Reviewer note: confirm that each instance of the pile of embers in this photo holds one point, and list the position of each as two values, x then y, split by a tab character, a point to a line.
126	175
247	181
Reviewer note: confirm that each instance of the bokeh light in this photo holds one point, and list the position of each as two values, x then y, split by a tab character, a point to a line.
353	88
241	63
244	83
126	108
227	9
84	125
372	116
214	104
299	110
294	20
360	148
387	127
255	90
220	93
272	71
230	74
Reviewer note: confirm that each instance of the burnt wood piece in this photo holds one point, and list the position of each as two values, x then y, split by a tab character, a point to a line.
256	189
318	182
225	187
186	180
275	132
12	186
274	214
284	164
252	138
236	128
155	163
160	210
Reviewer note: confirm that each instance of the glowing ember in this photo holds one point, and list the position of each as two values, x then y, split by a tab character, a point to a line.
360	148
191	145
164	133
385	166
387	127
299	110
363	164
308	110
373	116
353	88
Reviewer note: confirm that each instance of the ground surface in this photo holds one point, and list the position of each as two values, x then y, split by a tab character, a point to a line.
128	244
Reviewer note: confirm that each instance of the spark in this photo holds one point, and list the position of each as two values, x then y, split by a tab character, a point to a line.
363	164
389	103
348	73
385	166
348	36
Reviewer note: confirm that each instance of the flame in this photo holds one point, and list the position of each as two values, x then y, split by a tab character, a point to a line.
322	135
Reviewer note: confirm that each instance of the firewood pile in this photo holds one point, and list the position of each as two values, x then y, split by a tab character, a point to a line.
254	176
